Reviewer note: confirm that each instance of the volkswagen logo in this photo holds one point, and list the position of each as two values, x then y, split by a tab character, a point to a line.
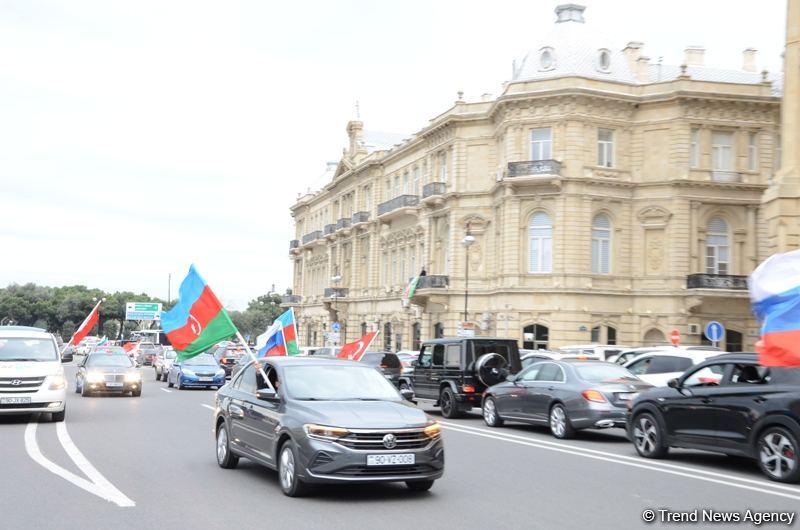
389	441
16	382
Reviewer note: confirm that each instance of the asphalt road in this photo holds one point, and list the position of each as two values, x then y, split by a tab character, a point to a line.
149	463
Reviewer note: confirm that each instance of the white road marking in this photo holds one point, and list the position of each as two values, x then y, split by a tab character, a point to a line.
209	407
97	483
614	459
167	391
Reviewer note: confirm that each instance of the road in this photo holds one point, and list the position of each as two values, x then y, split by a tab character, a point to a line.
149	463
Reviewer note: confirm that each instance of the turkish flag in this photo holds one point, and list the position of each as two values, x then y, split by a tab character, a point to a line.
355	350
89	322
131	346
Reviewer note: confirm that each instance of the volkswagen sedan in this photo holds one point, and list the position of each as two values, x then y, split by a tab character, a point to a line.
320	421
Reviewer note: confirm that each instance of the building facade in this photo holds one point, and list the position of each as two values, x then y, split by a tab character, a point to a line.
600	198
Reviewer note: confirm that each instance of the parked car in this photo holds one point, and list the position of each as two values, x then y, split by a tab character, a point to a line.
528	357
227	356
386	362
163	362
199	371
407	359
108	371
658	367
329	421
597	351
726	404
31	375
568	395
452	373
147	352
626	355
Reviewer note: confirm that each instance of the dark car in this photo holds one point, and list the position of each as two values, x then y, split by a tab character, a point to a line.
567	395
147	352
108	371
201	371
228	356
386	362
330	421
453	373
727	404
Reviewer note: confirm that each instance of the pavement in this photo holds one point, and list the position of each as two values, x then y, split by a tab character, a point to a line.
148	462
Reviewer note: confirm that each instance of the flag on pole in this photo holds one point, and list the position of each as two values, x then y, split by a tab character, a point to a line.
775	295
411	288
86	326
198	320
355	350
131	347
280	338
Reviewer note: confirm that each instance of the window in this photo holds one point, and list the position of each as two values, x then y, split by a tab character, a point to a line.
443	166
722	151
405	183
694	148
416	335
734	340
550	372
595	334
394	268
438	330
664	364
601	244
388	189
387	336
540	243
398	342
416	181
611	336
749	374
367	198
363	328
530	373
535	337
547	60
453	356
604	60
640	367
605	147
717	249
425	357
247	383
541	143
752	151
396	192
708	376
438	354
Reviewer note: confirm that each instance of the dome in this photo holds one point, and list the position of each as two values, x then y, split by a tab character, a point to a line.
574	48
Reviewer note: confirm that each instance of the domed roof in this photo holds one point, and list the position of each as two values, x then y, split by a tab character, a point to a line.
574	48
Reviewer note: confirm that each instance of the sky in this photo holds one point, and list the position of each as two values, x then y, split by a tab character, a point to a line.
139	137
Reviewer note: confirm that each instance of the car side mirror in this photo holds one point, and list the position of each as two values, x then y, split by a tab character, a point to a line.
265	394
407	394
673	383
66	358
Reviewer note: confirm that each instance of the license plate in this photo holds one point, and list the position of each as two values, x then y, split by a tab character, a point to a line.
112	385
15	400
206	379
390	460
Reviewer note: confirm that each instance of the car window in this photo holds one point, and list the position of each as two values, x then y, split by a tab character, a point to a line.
438	354
707	376
424	357
749	374
550	372
529	374
527	361
640	367
664	364
247	383
390	360
453	356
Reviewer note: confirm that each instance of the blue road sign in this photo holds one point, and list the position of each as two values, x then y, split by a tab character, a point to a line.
336	327
715	331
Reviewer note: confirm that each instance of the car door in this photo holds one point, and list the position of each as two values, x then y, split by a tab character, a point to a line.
261	417
690	412
540	391
236	406
511	401
422	373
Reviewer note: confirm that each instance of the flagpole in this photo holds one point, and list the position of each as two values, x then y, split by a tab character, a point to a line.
85	320
258	364
375	336
296	330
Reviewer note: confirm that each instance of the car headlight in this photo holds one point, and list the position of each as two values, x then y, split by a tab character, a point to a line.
94	377
323	432
133	377
58	382
433	430
188	372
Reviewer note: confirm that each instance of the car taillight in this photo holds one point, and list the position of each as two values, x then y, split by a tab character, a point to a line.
468	388
593	395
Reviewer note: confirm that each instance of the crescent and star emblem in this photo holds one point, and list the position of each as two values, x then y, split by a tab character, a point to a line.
195	325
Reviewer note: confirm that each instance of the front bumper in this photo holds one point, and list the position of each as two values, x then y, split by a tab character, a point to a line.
41	401
194	381
123	389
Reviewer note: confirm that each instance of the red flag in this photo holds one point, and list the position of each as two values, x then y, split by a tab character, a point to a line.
89	322
131	346
355	350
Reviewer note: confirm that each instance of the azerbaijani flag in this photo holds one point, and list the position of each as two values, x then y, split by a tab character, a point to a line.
775	293
280	338
411	288
198	320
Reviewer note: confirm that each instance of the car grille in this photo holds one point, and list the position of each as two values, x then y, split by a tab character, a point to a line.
373	440
115	378
364	471
24	405
205	375
20	384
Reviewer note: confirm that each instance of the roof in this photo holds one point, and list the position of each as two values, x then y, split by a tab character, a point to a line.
24	331
382	141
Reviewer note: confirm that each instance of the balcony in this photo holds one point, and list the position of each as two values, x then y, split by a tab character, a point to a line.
401	205
726	176
433	191
716	281
313	236
335	292
289	300
329	229
343	223
534	168
294	244
433	281
359	218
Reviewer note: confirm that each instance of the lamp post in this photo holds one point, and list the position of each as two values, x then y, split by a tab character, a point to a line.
335	282
468	240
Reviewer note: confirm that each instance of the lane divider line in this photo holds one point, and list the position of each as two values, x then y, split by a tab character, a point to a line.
631	458
96	485
167	391
623	462
209	407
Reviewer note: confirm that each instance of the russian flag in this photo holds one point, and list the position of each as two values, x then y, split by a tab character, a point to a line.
775	294
280	338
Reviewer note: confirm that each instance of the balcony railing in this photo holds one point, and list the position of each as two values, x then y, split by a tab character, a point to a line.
336	292
360	217
344	222
290	299
294	243
402	201
716	281
433	188
433	281
313	236
726	176
329	229
534	167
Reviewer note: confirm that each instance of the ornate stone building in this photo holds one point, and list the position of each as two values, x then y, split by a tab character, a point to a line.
608	200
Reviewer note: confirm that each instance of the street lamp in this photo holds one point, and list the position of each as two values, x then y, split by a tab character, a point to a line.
468	240
334	295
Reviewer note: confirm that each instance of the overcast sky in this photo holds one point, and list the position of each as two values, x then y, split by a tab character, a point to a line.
139	137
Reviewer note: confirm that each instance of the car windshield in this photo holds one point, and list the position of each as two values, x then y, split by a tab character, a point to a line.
22	349
601	373
338	383
201	360
100	360
111	349
385	360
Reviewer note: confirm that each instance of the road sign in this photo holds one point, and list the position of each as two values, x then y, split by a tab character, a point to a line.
333	337
142	311
715	331
336	327
675	337
465	329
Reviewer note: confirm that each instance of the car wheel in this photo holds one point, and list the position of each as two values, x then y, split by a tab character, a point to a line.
647	436
225	458
419	485
490	414
58	416
291	485
84	390
137	392
179	383
777	454
449	405
77	386
158	375
559	422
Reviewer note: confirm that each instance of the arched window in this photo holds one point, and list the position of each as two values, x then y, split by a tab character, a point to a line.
535	337
416	338
601	244
438	330
717	247
363	328
387	336
654	337
540	243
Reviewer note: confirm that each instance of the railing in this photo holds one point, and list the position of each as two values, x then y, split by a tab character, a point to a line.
291	299
726	176
329	229
344	222
336	292
534	167
294	243
716	281
433	281
313	236
360	217
402	201
433	188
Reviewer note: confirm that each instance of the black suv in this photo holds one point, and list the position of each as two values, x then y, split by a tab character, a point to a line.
727	404
453	373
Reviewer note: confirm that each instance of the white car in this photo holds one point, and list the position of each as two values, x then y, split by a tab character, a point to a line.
626	355
595	351
658	367
31	375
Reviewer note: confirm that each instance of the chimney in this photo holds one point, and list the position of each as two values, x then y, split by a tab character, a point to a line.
749	60
632	53
570	13
643	69
693	55
355	132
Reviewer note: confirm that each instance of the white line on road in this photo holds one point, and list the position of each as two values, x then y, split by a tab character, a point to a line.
616	460
209	407
167	391
97	485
